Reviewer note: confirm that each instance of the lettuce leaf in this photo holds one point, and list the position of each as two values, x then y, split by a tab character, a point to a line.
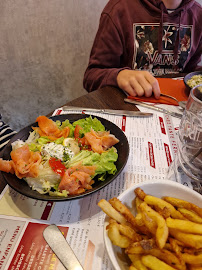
89	123
43	140
80	157
104	162
64	124
107	161
35	147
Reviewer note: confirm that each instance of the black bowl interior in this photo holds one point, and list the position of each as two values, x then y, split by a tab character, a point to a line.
22	187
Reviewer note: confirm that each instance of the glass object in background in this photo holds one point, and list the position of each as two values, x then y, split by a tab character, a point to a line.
187	165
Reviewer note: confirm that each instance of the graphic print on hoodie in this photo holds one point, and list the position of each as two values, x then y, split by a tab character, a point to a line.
144	35
147	55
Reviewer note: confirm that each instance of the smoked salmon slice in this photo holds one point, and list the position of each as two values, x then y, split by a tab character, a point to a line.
87	169
6	166
77	179
100	141
24	163
48	128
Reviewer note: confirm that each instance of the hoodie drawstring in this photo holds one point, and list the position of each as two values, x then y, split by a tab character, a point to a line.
177	42
160	35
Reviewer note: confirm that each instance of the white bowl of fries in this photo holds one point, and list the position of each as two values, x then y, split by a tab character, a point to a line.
157	227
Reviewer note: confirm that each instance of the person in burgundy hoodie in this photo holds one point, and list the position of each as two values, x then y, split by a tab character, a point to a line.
140	39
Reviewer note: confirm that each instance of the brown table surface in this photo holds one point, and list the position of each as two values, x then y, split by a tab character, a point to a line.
103	98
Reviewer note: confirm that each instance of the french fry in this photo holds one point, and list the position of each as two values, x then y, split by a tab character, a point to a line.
111	212
165	212
139	219
140	225
121	208
192	251
184	226
190	240
111	220
192	259
136	260
140	193
141	246
177	249
129	232
162	254
149	223
134	248
183	204
180	243
159	236
154	201
168	246
190	215
138	201
175	246
154	263
169	258
116	238
162	229
132	267
195	267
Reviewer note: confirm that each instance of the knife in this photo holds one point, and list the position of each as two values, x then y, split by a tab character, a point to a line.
109	111
178	115
61	248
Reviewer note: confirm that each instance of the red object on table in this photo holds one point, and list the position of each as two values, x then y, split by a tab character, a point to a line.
168	86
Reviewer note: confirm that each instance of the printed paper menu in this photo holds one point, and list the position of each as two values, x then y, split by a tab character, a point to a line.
152	142
22	246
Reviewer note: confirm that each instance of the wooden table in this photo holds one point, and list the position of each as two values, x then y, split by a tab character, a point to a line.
104	98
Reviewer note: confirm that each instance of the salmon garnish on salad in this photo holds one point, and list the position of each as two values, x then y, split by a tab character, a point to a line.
100	141
48	128
6	166
77	178
24	163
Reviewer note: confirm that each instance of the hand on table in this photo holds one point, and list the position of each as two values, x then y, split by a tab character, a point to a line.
138	83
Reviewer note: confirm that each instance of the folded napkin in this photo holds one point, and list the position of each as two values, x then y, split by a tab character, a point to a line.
168	86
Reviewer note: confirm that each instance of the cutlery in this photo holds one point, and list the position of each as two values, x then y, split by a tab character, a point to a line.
108	111
182	104
174	114
61	248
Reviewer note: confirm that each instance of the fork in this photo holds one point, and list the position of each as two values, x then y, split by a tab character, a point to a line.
182	104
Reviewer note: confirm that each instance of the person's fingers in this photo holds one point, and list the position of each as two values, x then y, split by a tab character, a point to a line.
155	85
147	87
138	83
138	89
123	81
126	86
156	89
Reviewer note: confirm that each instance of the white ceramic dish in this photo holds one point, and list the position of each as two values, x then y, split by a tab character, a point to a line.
158	189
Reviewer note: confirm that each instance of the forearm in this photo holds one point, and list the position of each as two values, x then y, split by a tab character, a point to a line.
105	58
95	77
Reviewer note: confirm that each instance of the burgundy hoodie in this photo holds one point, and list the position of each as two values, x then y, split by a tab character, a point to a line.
143	35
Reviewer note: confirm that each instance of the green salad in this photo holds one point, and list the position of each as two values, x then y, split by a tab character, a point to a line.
70	165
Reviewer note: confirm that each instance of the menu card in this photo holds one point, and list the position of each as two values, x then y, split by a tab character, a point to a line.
153	145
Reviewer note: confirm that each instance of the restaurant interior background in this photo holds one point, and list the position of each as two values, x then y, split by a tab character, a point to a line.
44	51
